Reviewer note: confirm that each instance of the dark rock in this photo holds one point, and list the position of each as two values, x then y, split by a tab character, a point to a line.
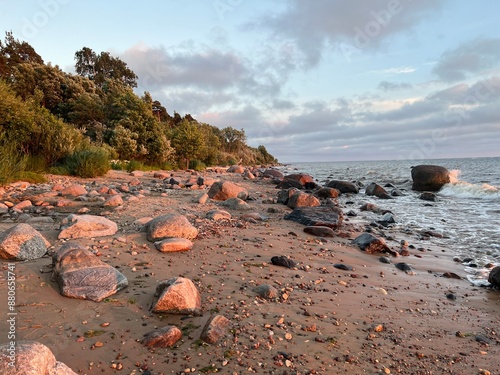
283	261
451	275
429	177
494	277
373	208
428	196
326	216
320	231
302	178
82	275
387	219
451	297
215	329
351	213
287	184
284	195
344	267
165	337
377	190
396	193
344	186
372	244
482	339
403	267
384	260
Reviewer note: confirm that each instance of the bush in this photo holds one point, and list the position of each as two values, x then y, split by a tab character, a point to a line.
31	177
88	163
135	165
11	163
197	165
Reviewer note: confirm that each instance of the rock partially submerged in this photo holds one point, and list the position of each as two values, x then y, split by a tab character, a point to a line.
82	275
429	177
343	186
22	242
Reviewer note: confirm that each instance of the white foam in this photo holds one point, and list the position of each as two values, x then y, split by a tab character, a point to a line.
461	189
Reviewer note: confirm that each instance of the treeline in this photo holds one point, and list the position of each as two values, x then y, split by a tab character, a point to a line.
52	121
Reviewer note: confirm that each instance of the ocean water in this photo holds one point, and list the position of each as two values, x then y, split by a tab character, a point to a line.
467	213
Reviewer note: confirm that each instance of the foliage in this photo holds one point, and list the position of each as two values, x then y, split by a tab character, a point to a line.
197	165
102	67
187	140
51	120
88	163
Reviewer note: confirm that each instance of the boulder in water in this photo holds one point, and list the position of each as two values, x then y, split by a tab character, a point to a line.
429	177
343	186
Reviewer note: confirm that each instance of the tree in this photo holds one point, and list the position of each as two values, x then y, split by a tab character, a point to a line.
13	53
103	67
187	140
233	140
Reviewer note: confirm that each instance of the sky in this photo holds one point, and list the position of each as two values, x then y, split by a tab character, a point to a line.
316	80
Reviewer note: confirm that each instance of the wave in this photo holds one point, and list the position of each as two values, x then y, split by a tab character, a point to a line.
462	189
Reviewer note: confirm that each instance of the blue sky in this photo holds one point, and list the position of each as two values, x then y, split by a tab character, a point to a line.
316	80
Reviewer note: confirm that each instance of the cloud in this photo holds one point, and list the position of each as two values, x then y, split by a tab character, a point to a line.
473	57
313	26
199	67
394	86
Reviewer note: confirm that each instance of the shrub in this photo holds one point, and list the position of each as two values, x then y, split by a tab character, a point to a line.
88	163
135	165
197	165
11	163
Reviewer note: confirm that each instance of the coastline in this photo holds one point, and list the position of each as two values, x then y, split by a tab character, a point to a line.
373	319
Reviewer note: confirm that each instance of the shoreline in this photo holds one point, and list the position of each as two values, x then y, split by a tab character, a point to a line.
326	320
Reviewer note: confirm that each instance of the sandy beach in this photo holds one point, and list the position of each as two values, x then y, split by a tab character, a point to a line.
373	319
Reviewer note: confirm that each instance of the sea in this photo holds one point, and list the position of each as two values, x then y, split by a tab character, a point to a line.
466	215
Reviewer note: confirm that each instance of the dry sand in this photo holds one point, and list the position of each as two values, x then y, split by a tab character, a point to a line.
373	319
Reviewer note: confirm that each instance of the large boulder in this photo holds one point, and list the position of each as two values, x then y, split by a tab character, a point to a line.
30	358
344	186
82	275
287	184
327	192
170	225
429	177
85	226
284	195
223	190
326	216
177	296
236	204
22	242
